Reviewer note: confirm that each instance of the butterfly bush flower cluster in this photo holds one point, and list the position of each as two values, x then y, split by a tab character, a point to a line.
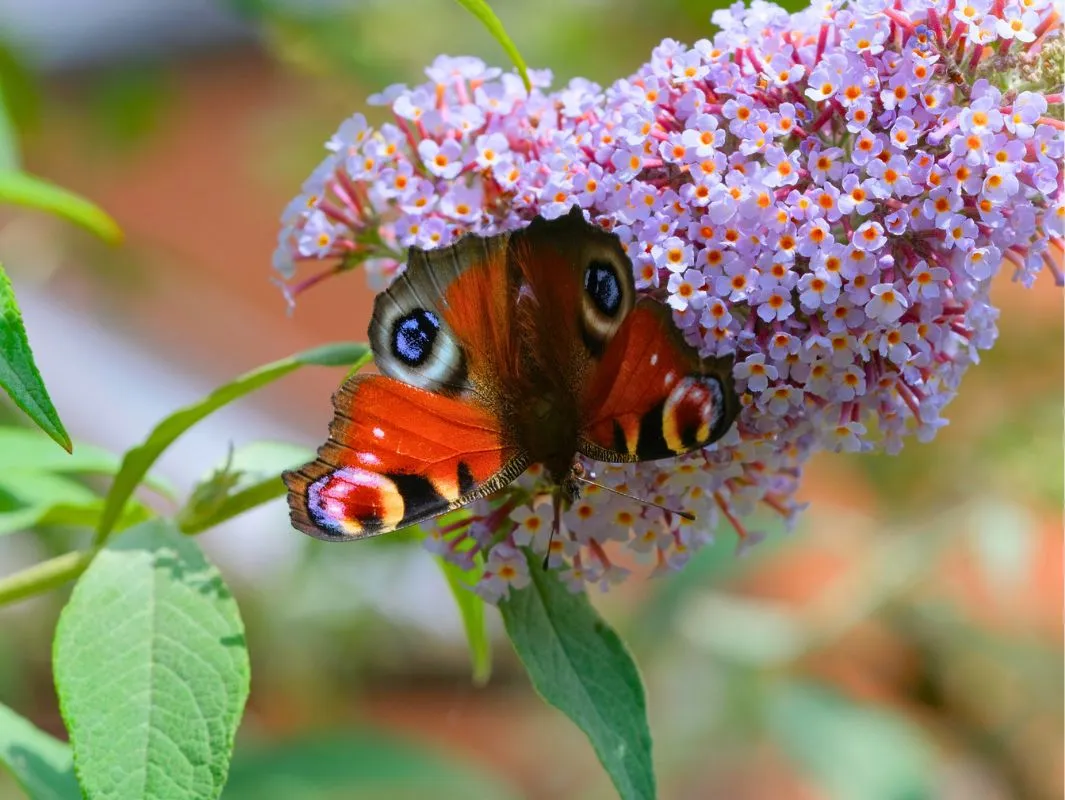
825	196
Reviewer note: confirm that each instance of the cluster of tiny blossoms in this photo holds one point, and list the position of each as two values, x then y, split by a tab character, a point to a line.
824	195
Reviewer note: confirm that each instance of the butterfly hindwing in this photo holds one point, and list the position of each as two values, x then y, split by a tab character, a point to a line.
651	396
396	456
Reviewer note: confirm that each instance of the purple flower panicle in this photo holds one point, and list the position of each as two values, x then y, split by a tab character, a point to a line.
824	195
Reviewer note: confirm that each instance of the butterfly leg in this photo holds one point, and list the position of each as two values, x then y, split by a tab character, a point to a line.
556	523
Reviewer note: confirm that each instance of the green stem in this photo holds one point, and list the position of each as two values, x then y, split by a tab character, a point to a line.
43	577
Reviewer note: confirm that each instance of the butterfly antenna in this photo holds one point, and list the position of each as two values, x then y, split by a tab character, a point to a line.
686	514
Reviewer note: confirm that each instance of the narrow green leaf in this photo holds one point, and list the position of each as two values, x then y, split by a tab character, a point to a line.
9	151
22	94
84	515
35	488
483	12
137	461
18	372
471	608
21	448
29	191
352	765
249	478
41	764
20	519
151	669
578	664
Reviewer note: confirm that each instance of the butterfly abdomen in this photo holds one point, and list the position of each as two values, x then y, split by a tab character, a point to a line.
547	425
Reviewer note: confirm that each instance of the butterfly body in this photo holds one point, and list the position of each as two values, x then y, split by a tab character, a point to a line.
501	352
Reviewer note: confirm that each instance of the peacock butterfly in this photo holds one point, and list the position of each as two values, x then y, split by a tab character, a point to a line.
497	353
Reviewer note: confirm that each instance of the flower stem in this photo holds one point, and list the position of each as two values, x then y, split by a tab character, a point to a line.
43	577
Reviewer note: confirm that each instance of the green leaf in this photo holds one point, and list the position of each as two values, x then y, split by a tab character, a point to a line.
84	515
352	765
9	153
18	372
137	461
22	189
41	498
26	449
851	750
20	519
1004	544
483	12
41	764
578	664
249	478
471	608
34	488
22	94
151	669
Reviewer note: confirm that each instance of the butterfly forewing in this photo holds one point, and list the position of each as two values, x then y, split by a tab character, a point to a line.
396	456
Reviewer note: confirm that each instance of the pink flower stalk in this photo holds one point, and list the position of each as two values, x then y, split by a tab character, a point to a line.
825	195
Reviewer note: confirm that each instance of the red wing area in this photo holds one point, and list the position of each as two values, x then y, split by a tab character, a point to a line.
651	396
396	456
478	305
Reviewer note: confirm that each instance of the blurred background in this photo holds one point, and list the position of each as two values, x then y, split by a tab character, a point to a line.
904	643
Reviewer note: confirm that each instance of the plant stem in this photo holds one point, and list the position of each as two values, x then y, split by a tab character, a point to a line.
43	577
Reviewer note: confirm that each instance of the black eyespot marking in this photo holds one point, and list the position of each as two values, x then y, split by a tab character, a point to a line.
602	284
466	482
621	444
651	443
420	499
413	335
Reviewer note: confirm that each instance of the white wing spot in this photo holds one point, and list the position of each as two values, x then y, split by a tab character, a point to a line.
671	377
654	359
378	433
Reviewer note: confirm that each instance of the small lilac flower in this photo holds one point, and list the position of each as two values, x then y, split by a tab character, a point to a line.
776	306
672	254
846	437
686	291
887	304
857	196
318	235
444	161
1027	109
904	133
869	236
755	373
925	282
818	289
1017	24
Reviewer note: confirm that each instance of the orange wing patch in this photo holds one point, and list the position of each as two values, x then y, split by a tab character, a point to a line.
478	307
396	456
